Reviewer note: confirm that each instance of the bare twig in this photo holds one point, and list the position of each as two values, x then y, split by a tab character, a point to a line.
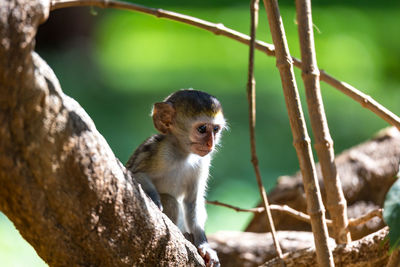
219	29
365	100
301	215
253	210
216	28
315	206
251	97
336	203
366	217
279	208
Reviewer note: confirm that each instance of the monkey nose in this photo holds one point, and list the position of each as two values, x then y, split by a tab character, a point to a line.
210	145
210	142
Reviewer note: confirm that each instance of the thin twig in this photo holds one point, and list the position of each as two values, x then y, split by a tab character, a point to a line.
301	215
279	208
365	100
315	207
219	29
251	97
336	203
366	217
253	210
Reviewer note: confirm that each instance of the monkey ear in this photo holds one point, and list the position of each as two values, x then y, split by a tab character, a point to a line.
163	115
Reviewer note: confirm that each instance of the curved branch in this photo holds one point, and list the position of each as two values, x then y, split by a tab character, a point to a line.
60	183
219	29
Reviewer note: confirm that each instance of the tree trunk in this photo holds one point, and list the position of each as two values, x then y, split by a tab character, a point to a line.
60	183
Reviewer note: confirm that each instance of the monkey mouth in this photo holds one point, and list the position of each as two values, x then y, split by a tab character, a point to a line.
202	153
200	149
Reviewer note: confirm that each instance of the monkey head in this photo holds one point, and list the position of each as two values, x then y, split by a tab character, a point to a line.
193	117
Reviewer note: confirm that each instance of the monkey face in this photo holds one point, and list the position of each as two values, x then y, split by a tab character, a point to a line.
205	134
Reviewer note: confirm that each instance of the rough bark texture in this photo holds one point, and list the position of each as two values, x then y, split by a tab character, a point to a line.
371	251
367	171
60	183
237	249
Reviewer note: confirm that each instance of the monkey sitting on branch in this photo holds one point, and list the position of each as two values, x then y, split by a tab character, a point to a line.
173	166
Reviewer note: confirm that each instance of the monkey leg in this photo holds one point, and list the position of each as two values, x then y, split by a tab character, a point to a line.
173	209
149	188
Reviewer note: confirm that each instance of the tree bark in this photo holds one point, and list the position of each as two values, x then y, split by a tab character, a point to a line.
244	249
361	169
60	183
372	250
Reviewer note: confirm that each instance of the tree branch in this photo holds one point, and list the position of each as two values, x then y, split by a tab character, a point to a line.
251	97
366	217
60	183
315	207
301	215
336	203
219	29
369	251
360	168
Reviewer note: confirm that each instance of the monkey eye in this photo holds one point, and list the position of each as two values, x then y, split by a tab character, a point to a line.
216	128
202	128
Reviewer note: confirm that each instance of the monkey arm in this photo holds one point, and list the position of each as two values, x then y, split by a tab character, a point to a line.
196	215
148	187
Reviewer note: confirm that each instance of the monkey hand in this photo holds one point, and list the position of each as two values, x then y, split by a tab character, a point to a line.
209	255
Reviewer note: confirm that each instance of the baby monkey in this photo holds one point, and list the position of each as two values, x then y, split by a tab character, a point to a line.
173	166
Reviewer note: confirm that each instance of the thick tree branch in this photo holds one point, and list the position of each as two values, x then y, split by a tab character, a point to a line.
60	183
239	249
369	251
219	29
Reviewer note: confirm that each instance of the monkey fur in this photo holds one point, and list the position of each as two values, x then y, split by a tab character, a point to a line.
173	166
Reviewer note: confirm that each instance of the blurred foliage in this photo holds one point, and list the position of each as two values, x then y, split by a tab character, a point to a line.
134	60
391	213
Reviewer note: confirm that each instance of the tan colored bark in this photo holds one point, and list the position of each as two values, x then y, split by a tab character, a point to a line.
244	249
336	203
301	141
237	249
372	250
60	183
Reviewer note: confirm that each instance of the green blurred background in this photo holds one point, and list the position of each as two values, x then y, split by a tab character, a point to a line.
117	63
